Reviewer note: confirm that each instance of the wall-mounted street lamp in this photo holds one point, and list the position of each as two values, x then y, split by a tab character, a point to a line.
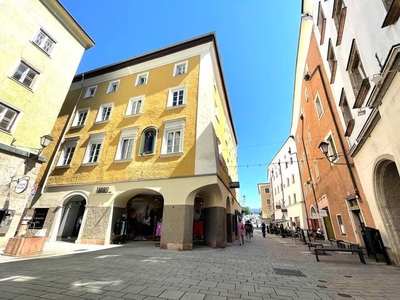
324	147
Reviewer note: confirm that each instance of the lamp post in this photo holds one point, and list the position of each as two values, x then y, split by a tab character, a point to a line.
301	182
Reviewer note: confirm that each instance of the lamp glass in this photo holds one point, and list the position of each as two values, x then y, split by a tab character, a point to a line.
45	140
323	146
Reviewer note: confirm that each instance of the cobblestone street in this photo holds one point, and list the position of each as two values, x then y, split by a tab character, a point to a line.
139	270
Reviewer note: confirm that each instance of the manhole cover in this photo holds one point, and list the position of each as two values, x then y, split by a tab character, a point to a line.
288	272
322	286
344	295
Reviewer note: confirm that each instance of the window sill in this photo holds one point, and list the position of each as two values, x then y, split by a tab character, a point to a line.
37	46
120	161
131	116
90	164
77	126
87	97
63	167
179	74
176	106
146	154
21	84
101	122
171	154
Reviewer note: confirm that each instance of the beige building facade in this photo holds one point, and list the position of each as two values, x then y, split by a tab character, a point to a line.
267	210
147	142
41	46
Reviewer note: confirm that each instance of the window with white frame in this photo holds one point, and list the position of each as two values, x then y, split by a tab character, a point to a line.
135	105
180	68
44	41
176	97
90	91
293	180
126	144
113	86
318	106
80	117
8	116
289	200
173	137
294	198
306	95
287	182
93	149
26	75
268	201
316	169
341	225
332	151
142	79
67	153
104	112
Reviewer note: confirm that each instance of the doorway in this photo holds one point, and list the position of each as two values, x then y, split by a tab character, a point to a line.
71	220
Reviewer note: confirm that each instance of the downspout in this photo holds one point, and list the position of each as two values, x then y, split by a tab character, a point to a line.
61	140
308	165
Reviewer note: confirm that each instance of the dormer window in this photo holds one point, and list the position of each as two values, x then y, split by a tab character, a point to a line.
113	86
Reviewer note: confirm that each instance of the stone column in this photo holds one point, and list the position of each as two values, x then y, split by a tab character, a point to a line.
94	228
229	228
215	227
177	227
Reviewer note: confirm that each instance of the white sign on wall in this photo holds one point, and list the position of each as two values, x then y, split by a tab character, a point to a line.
323	213
314	216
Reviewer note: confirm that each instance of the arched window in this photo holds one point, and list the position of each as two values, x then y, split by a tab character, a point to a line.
148	141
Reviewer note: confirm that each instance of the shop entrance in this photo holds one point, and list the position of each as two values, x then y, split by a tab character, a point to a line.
71	220
198	222
144	218
387	193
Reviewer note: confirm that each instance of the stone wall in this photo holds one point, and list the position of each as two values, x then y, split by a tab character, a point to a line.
95	225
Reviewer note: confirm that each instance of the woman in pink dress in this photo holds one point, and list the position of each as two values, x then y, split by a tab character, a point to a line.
240	228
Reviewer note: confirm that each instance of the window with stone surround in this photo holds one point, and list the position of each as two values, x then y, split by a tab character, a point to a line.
358	78
331	58
393	12
321	23
346	112
339	17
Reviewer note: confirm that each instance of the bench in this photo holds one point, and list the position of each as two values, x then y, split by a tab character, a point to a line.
335	241
347	245
358	250
314	245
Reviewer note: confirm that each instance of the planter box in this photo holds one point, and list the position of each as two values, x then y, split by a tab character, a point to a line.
25	246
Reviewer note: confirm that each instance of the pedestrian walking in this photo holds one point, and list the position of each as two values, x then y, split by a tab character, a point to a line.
263	228
240	228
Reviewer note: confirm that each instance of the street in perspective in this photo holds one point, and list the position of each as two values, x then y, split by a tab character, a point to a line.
265	268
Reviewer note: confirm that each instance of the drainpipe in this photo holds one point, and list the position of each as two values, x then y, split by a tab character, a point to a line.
64	132
301	182
308	165
308	77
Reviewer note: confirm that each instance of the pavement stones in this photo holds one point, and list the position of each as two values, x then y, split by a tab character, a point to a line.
265	268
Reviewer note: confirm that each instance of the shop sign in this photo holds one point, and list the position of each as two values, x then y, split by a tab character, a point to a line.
234	185
323	213
284	210
21	186
314	216
103	190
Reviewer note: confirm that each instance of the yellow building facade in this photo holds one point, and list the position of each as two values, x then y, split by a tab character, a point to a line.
40	48
264	190
149	143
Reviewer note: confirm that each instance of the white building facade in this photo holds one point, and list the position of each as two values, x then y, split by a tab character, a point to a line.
360	41
286	187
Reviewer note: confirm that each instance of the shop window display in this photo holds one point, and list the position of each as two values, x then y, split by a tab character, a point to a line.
143	218
198	221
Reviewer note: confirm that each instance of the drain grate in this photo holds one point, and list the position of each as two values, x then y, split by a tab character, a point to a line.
348	276
321	280
288	272
322	286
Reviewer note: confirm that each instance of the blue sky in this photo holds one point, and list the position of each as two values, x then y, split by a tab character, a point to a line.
257	40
